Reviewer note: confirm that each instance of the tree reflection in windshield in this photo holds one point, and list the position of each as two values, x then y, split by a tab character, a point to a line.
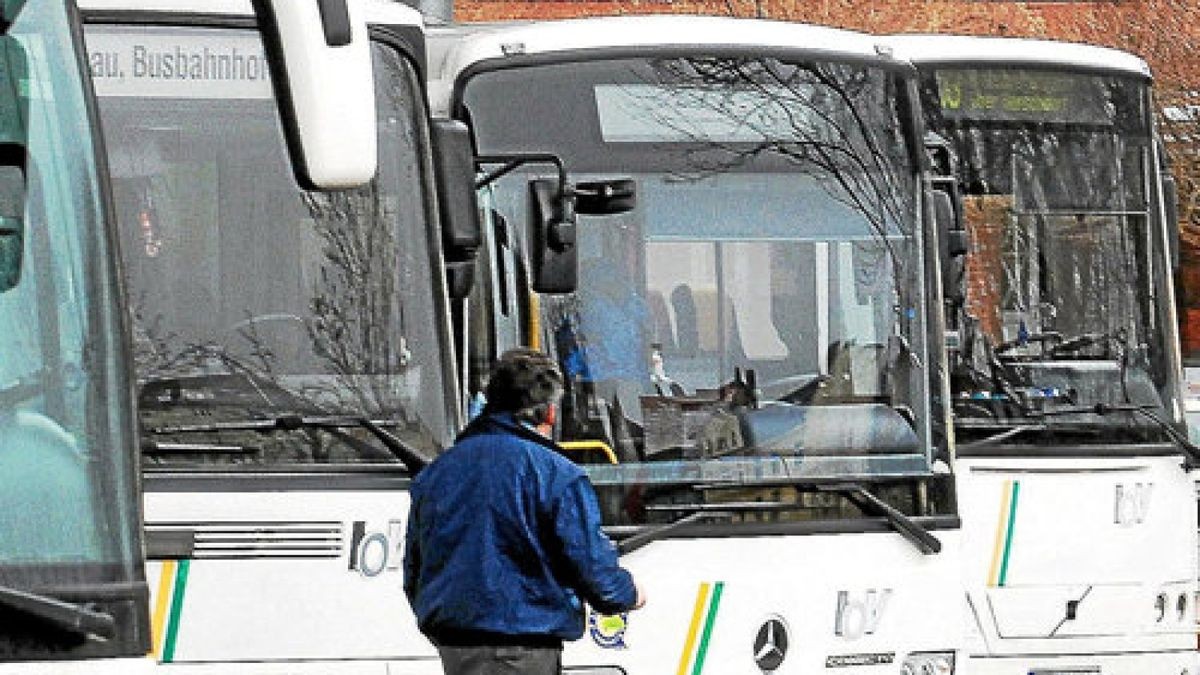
764	299
254	298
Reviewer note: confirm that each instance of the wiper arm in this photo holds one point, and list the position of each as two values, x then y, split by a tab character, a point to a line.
1000	437
907	527
1191	452
68	616
150	447
413	459
21	390
1085	340
633	543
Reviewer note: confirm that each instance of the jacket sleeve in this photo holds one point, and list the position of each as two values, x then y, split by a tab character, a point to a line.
590	556
412	556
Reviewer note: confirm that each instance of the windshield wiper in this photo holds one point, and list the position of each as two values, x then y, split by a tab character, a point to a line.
1085	340
413	459
636	541
1000	437
150	447
1190	451
870	504
20	391
70	617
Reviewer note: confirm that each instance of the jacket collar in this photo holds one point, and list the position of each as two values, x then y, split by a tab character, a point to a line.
505	421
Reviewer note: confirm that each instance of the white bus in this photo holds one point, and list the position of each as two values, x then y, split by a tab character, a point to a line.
291	340
72	585
1079	518
731	247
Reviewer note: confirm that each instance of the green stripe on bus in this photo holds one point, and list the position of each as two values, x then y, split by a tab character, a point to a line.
181	575
709	622
1008	536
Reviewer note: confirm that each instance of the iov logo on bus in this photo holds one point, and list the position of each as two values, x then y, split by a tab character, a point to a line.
373	552
1131	503
858	614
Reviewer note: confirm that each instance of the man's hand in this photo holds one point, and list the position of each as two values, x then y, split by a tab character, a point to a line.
641	596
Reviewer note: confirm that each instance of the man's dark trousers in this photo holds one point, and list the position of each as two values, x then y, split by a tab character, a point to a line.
510	660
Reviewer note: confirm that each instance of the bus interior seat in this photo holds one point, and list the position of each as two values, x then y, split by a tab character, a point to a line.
687	331
660	314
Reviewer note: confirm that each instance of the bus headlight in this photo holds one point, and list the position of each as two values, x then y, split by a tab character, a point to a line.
1160	607
1181	606
928	663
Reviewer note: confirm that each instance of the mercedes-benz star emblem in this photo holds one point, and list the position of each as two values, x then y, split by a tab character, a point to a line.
771	644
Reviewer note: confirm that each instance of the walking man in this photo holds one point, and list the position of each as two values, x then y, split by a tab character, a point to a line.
504	543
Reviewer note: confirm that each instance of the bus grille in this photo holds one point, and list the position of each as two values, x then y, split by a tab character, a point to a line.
245	540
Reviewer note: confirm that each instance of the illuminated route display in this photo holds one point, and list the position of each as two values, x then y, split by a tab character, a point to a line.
1023	95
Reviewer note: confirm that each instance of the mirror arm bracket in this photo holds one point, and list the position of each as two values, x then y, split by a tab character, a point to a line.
511	162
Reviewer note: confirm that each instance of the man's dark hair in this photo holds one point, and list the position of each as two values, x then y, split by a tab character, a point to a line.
524	382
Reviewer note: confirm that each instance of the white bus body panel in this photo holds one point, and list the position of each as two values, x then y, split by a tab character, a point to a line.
708	600
453	49
247	594
1096	539
930	49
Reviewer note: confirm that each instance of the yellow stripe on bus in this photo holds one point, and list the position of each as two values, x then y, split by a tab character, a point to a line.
158	631
1001	529
690	642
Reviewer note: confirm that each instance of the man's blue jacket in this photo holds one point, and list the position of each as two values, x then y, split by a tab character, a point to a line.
504	541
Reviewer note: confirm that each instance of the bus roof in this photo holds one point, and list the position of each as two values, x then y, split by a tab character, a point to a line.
377	11
924	50
454	48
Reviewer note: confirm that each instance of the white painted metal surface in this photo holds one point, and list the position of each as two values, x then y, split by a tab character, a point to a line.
938	49
1065	560
455	48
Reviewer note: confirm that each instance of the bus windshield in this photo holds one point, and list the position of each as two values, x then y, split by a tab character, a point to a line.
71	514
758	315
1066	328
255	301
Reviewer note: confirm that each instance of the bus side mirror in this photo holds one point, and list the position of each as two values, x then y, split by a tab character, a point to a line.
12	214
958	243
454	172
1171	215
328	89
553	257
